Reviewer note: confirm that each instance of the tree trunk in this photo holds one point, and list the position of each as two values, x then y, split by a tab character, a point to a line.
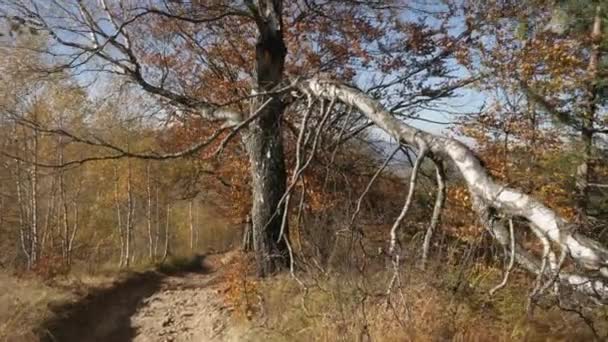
2	210
129	225
587	128
247	237
149	213
157	216
264	145
119	217
191	223
65	236
48	221
23	222
34	198
73	232
198	226
167	235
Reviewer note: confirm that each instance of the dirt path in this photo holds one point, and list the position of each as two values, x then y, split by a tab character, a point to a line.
150	307
186	308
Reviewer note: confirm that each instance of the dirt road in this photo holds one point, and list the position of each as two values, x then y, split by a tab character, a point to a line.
151	307
186	308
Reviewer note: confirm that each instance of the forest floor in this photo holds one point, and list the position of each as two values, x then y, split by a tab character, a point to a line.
176	305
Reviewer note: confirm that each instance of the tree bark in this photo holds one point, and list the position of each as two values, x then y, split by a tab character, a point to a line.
264	145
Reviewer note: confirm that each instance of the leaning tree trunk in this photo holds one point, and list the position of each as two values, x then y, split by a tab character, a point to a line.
264	145
491	199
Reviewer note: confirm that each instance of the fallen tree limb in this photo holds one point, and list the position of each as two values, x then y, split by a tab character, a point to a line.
489	195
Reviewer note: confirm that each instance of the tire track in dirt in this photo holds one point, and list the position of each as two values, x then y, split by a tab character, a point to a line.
149	307
187	308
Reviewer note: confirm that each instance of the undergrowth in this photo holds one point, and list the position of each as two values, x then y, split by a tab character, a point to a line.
438	304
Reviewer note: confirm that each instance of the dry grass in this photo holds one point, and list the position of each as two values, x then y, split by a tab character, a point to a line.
27	301
24	303
352	307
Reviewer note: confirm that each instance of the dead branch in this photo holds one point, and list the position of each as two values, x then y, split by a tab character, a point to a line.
509	267
489	196
437	209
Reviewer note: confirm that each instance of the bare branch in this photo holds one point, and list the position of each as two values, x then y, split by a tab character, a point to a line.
408	201
437	209
505	278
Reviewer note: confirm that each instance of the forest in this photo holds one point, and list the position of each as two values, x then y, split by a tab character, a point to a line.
314	170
